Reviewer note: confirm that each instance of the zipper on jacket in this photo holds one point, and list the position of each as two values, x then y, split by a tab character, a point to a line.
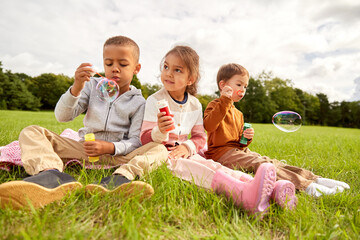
107	117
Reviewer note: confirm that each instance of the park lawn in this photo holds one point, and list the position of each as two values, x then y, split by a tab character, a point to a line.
180	210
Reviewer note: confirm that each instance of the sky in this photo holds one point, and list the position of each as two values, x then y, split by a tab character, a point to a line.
315	44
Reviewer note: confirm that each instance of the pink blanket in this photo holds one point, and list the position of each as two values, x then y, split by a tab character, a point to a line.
10	155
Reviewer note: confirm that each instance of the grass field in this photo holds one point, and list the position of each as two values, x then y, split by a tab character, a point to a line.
180	210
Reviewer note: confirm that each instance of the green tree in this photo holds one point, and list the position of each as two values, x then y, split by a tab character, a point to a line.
148	89
335	113
49	87
135	82
283	95
355	113
344	114
22	76
13	93
311	106
324	108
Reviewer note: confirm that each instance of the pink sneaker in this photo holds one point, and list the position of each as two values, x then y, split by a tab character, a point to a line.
284	194
252	196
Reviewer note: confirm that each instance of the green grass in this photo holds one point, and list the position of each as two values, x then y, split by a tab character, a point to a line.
180	210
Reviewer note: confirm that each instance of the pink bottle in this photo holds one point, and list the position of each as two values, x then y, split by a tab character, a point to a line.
163	106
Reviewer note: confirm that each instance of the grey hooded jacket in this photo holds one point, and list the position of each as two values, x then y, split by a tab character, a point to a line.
118	122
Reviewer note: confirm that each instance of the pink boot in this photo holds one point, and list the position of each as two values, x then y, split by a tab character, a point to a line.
246	177
284	194
252	196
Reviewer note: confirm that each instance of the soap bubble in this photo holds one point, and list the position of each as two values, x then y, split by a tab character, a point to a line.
107	90
287	121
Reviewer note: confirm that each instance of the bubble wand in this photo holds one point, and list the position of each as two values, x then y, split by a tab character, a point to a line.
111	84
95	72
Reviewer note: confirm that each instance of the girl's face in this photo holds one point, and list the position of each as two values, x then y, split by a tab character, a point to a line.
175	76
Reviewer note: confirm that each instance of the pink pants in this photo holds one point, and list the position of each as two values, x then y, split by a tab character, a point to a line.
200	171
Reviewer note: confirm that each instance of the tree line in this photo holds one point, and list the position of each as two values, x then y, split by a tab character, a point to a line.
265	96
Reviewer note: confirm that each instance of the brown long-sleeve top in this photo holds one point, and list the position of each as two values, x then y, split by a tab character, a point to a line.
224	125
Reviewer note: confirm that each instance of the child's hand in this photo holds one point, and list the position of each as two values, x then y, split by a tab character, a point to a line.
180	151
82	75
227	91
98	147
249	133
164	122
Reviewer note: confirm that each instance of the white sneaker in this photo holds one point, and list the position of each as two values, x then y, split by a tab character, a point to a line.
339	189
317	190
331	183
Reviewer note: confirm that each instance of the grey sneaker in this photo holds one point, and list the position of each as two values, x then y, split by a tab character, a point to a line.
118	184
113	181
50	178
38	190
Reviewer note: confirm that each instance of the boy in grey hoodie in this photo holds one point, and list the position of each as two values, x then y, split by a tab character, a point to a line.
116	126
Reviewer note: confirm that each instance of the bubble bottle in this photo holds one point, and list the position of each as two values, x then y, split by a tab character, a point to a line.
163	106
91	137
244	140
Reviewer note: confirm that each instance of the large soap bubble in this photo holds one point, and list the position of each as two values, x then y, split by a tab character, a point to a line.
107	90
287	121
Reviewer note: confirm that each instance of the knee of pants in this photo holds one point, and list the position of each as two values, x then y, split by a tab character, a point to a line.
161	150
140	162
31	128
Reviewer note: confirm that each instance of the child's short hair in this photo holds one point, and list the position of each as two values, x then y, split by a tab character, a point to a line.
191	61
124	41
227	71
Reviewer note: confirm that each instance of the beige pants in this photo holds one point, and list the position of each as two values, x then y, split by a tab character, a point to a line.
42	149
250	161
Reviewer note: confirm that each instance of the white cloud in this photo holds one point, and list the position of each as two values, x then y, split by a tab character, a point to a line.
313	43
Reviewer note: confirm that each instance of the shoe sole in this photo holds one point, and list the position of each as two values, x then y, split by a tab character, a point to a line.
266	187
285	195
131	189
21	194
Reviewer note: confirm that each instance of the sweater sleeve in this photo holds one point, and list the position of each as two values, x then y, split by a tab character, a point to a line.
69	107
198	136
215	113
149	129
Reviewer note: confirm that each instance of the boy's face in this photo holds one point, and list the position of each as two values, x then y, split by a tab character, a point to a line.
238	83
120	65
